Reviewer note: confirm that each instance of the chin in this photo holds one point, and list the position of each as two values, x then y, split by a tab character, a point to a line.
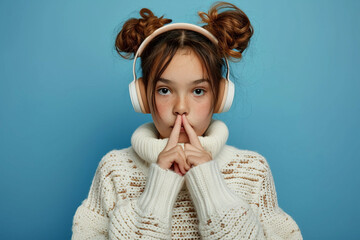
183	138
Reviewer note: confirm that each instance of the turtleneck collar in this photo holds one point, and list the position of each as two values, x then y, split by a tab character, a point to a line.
147	145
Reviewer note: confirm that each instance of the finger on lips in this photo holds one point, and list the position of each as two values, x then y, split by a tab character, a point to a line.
194	140
174	135
191	155
174	151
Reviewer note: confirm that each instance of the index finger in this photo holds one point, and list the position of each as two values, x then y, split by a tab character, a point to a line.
194	140
174	135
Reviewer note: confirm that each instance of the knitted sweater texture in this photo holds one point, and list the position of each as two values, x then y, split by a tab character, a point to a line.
232	196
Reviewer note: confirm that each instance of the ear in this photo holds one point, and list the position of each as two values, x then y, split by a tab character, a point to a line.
141	92
219	105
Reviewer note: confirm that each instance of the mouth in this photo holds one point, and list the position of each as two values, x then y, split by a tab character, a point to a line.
182	126
182	129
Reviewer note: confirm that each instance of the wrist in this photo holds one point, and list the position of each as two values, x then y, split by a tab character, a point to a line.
209	190
161	190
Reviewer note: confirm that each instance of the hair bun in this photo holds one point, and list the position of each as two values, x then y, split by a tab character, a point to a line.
134	32
232	28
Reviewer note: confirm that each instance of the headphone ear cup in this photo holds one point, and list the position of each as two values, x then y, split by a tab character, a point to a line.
134	96
229	96
219	106
141	93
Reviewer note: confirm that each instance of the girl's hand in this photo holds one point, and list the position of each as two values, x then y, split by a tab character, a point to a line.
194	152
173	156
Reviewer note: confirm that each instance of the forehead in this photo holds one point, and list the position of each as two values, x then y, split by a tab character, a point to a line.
185	67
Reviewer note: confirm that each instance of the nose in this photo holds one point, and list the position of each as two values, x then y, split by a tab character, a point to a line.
180	106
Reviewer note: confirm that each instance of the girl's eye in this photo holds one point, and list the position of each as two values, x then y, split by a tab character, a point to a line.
199	91
163	91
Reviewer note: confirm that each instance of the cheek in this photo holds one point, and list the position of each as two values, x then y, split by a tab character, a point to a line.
202	116
202	109
162	118
163	108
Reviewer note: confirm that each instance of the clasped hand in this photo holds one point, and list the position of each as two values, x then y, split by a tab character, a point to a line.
176	158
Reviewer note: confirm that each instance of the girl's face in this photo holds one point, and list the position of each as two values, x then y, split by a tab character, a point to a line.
183	88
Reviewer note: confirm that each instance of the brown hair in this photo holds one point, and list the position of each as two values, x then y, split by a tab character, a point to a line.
231	27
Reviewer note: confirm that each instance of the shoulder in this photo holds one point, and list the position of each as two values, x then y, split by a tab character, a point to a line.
243	168
115	154
116	160
246	158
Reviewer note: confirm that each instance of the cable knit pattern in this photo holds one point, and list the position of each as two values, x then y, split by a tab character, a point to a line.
231	197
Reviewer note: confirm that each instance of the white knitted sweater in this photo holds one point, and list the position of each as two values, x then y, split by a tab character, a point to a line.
232	196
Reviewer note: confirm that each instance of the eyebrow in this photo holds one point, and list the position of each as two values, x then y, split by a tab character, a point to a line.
167	81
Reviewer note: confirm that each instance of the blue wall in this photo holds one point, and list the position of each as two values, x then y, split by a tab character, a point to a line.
64	104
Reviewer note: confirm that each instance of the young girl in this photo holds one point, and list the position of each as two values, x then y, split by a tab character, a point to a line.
179	179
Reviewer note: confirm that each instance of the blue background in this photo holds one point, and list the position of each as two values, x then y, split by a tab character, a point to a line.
64	104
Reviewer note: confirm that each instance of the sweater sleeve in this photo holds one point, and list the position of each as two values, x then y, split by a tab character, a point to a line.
222	215
277	224
102	216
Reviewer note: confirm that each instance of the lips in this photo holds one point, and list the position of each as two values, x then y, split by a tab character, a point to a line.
182	126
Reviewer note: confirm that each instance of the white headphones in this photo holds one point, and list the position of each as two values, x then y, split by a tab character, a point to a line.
137	87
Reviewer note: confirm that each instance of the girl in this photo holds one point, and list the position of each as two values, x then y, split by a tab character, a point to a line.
179	179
